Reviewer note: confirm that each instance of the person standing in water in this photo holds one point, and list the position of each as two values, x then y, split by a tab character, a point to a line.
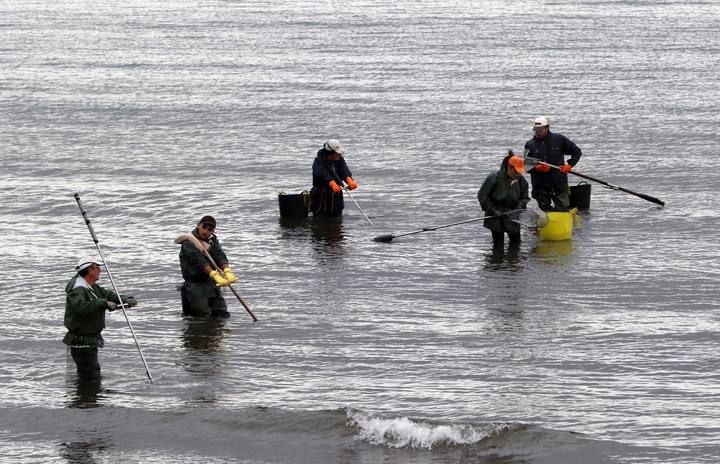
200	294
329	171
85	306
503	191
549	185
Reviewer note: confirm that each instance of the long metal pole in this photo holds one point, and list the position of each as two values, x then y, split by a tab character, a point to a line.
644	196
347	190
390	237
112	282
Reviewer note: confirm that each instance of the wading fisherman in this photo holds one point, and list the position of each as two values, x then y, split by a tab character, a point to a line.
329	171
85	306
503	191
200	294
549	185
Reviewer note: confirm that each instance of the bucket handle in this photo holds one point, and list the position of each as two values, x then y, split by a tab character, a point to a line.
306	198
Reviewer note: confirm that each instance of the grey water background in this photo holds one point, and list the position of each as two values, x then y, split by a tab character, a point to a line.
432	348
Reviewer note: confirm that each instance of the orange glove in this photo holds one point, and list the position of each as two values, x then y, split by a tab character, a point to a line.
542	167
335	187
565	168
351	183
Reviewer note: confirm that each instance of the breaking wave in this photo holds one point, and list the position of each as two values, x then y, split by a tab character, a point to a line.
401	432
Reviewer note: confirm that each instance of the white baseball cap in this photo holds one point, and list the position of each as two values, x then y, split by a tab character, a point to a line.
87	261
540	121
334	145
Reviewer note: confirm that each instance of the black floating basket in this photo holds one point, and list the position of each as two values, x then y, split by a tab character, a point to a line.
580	196
294	205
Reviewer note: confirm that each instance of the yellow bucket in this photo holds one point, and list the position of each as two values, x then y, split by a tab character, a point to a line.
559	226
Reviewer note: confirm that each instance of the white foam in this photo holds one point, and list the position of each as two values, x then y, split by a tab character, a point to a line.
403	432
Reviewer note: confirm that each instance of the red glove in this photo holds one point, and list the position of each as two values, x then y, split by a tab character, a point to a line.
565	168
335	187
542	167
351	183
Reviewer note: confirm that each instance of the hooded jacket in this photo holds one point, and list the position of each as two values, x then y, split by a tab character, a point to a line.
325	170
500	193
322	199
85	307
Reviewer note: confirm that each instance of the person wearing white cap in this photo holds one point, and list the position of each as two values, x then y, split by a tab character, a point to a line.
329	171
503	191
85	306
550	186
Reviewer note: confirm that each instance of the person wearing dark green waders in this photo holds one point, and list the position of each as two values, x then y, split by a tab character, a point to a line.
200	294
329	171
85	306
503	191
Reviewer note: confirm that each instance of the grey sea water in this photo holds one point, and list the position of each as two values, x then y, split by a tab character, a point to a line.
431	348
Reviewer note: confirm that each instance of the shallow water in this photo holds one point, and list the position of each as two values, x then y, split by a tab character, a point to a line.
431	348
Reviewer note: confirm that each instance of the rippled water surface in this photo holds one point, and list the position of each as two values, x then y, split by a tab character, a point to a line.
431	348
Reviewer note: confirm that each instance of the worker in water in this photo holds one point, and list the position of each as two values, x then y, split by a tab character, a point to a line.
329	172
85	305
502	192
550	185
200	294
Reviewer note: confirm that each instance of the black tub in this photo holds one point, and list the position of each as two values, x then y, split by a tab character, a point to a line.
580	196
294	205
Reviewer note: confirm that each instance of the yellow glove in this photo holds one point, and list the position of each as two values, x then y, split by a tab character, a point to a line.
220	281
229	275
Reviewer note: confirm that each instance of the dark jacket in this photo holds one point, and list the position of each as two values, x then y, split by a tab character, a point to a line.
500	193
553	148
323	200
85	313
193	261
